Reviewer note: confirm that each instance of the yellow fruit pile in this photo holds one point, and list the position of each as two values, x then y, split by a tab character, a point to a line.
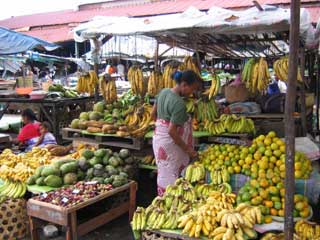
135	77
20	167
307	230
87	83
108	89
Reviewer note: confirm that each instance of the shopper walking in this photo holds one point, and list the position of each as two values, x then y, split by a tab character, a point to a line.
172	141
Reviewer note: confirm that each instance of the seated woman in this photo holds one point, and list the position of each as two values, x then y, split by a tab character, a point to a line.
46	138
30	131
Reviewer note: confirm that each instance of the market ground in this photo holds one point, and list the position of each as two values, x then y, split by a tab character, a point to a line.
120	228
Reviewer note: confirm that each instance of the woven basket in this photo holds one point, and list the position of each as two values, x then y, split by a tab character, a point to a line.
13	219
237	93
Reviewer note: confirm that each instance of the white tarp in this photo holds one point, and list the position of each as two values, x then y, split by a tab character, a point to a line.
215	21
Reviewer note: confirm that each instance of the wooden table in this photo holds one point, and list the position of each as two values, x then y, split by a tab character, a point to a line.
59	112
40	212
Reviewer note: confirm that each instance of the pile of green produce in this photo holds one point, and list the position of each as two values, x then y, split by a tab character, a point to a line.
62	91
102	165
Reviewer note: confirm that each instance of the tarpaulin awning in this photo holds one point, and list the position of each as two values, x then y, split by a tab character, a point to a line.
12	42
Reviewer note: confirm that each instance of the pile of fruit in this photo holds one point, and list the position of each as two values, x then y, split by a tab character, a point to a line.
102	165
307	230
135	77
281	68
155	83
62	91
87	83
72	195
229	123
13	189
19	167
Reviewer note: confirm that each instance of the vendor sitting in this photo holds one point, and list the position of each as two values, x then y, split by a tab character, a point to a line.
30	131
46	138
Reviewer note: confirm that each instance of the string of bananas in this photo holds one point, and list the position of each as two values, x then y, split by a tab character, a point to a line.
204	189
149	160
13	189
108	89
21	167
188	64
135	77
86	83
256	75
307	230
168	81
230	124
206	110
195	172
219	176
155	83
214	88
281	69
139	120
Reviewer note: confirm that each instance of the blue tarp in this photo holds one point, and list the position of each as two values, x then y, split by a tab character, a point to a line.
13	42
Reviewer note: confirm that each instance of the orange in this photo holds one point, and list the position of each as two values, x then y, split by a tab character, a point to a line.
273	212
273	190
254	183
264	194
297	174
230	170
271	165
262	174
256	156
277	153
305	213
297	165
262	150
271	134
267	219
283	167
282	192
278	163
283	175
237	169
299	206
267	141
241	162
282	148
273	159
276	179
274	146
268	153
268	204
261	137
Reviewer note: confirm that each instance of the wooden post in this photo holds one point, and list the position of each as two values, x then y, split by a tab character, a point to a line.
156	56
303	93
76	49
289	119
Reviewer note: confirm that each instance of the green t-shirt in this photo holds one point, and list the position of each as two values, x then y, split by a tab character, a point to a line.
171	107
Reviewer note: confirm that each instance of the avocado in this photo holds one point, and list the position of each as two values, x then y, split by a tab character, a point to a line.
98	172
113	161
84	116
108	180
111	170
70	178
38	171
40	181
90	173
99	107
80	175
124	153
95	160
98	166
105	159
32	180
100	153
83	164
129	160
75	123
59	163
98	179
123	174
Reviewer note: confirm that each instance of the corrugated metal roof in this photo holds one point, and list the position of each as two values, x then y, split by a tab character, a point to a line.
57	34
163	7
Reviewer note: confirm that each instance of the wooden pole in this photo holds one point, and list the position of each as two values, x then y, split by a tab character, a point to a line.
156	57
96	88
289	119
303	93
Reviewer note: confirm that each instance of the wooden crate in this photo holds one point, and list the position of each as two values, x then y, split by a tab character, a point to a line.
71	133
41	212
161	235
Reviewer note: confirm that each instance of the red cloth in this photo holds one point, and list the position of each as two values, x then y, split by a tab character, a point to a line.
29	131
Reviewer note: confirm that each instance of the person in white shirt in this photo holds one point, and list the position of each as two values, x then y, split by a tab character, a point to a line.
120	71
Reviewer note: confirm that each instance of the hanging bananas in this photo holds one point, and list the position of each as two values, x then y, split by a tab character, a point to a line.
281	68
168	82
136	80
214	88
256	75
86	83
189	65
108	89
155	83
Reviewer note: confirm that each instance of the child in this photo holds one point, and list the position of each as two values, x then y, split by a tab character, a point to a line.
46	137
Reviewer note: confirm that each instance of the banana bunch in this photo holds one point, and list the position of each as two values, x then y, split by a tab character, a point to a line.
139	219
135	77
223	200
195	172
190	65
156	219
86	83
307	230
171	220
13	189
190	104
149	160
219	176
279	236
21	167
206	110
203	189
241	233
256	75
214	88
155	83
139	121
168	82
281	69
108	89
230	124
251	215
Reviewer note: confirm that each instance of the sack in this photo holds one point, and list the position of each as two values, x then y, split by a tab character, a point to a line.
237	93
273	103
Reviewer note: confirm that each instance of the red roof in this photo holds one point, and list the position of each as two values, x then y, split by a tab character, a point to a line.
153	8
56	34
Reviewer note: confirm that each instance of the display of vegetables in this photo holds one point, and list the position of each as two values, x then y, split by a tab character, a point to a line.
72	195
62	91
102	165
